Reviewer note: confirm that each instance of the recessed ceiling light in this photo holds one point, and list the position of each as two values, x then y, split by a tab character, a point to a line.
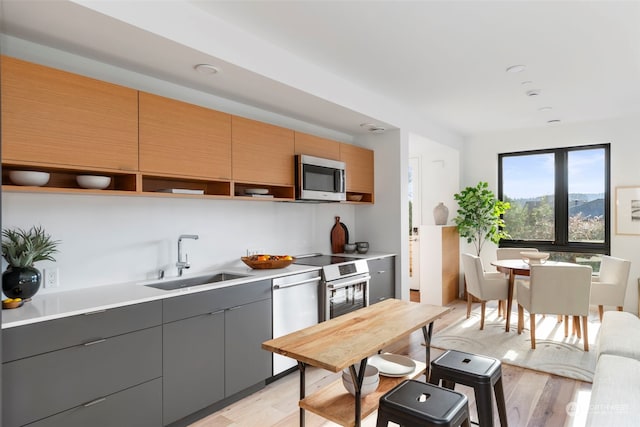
553	122
516	68
527	82
533	92
545	108
207	69
372	127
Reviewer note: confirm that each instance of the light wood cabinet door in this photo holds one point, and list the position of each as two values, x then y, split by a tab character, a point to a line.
183	139
261	153
359	167
312	145
51	116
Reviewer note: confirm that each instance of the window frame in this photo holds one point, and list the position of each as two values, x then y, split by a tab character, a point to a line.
561	207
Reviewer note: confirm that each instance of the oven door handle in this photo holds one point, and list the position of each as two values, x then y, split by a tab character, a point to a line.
302	282
337	284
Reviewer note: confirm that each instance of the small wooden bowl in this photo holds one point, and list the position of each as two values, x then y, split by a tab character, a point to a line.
12	304
267	264
354	197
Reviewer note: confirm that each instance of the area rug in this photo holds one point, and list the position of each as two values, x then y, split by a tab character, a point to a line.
554	353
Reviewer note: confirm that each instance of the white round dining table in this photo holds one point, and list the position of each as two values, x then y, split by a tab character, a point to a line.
516	267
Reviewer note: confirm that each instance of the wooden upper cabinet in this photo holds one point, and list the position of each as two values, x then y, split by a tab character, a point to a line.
183	139
317	146
262	153
359	168
54	117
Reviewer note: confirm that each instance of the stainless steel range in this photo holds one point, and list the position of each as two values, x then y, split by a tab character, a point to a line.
345	283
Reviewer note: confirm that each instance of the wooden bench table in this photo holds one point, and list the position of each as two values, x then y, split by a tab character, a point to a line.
347	340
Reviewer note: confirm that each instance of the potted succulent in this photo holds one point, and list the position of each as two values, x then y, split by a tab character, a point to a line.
479	216
21	249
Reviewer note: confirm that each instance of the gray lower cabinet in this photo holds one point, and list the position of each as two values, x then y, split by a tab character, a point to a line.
85	375
383	279
246	363
193	364
212	346
136	406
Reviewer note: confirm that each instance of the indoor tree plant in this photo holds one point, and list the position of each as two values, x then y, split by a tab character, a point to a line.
21	249
479	216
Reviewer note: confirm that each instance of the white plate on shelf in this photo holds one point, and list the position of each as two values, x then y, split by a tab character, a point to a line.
392	365
256	191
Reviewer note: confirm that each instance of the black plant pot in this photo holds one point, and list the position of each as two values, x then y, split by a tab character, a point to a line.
21	282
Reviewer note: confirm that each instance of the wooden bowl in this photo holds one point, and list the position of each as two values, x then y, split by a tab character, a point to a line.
274	261
354	197
12	304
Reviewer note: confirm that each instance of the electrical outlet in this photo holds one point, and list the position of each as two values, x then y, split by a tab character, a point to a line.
50	277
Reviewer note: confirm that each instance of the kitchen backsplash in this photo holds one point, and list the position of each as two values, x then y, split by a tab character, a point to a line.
113	239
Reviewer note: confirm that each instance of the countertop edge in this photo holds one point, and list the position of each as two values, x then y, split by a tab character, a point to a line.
74	302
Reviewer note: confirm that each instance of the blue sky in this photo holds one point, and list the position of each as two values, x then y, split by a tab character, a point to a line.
533	175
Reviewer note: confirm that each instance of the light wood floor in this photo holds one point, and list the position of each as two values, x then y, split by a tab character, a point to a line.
532	398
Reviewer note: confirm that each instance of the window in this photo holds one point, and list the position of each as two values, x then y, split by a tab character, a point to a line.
559	199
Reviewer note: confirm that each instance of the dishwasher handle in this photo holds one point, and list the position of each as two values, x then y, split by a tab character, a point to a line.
302	282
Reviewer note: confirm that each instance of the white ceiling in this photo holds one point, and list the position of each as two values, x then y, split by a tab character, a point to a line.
443	60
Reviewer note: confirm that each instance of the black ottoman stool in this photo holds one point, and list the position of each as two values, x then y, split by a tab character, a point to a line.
416	404
482	373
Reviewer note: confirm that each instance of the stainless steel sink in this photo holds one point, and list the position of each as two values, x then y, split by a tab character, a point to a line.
170	285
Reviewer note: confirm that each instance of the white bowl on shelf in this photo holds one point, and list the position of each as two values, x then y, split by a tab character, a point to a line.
94	182
370	381
34	178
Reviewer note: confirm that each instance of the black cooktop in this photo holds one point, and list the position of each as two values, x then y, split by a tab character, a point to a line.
322	260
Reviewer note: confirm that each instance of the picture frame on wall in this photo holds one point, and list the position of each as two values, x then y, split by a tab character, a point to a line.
628	210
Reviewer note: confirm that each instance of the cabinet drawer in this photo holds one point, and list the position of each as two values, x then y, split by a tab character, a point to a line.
214	300
43	385
139	406
29	340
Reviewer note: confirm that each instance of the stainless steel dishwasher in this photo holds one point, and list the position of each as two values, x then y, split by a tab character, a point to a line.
296	305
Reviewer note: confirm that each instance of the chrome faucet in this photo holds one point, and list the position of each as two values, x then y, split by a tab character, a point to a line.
184	264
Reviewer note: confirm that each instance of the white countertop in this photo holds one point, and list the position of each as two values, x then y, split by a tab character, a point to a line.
79	301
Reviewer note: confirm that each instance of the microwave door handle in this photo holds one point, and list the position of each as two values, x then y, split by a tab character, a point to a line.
339	180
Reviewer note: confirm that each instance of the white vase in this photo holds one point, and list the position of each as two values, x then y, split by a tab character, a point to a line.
440	214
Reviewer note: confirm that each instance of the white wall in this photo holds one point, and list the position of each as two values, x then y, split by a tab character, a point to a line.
439	176
480	163
385	223
113	239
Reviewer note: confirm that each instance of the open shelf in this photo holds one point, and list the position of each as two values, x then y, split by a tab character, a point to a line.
63	180
367	198
334	402
163	185
275	192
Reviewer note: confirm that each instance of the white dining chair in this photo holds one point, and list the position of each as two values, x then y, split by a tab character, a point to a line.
610	286
485	286
556	289
512	253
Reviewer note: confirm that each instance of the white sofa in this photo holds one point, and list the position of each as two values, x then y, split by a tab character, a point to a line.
615	395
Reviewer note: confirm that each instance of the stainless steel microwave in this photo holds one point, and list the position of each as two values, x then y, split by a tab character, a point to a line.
320	179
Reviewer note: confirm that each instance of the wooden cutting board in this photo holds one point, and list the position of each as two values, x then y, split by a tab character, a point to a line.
338	236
